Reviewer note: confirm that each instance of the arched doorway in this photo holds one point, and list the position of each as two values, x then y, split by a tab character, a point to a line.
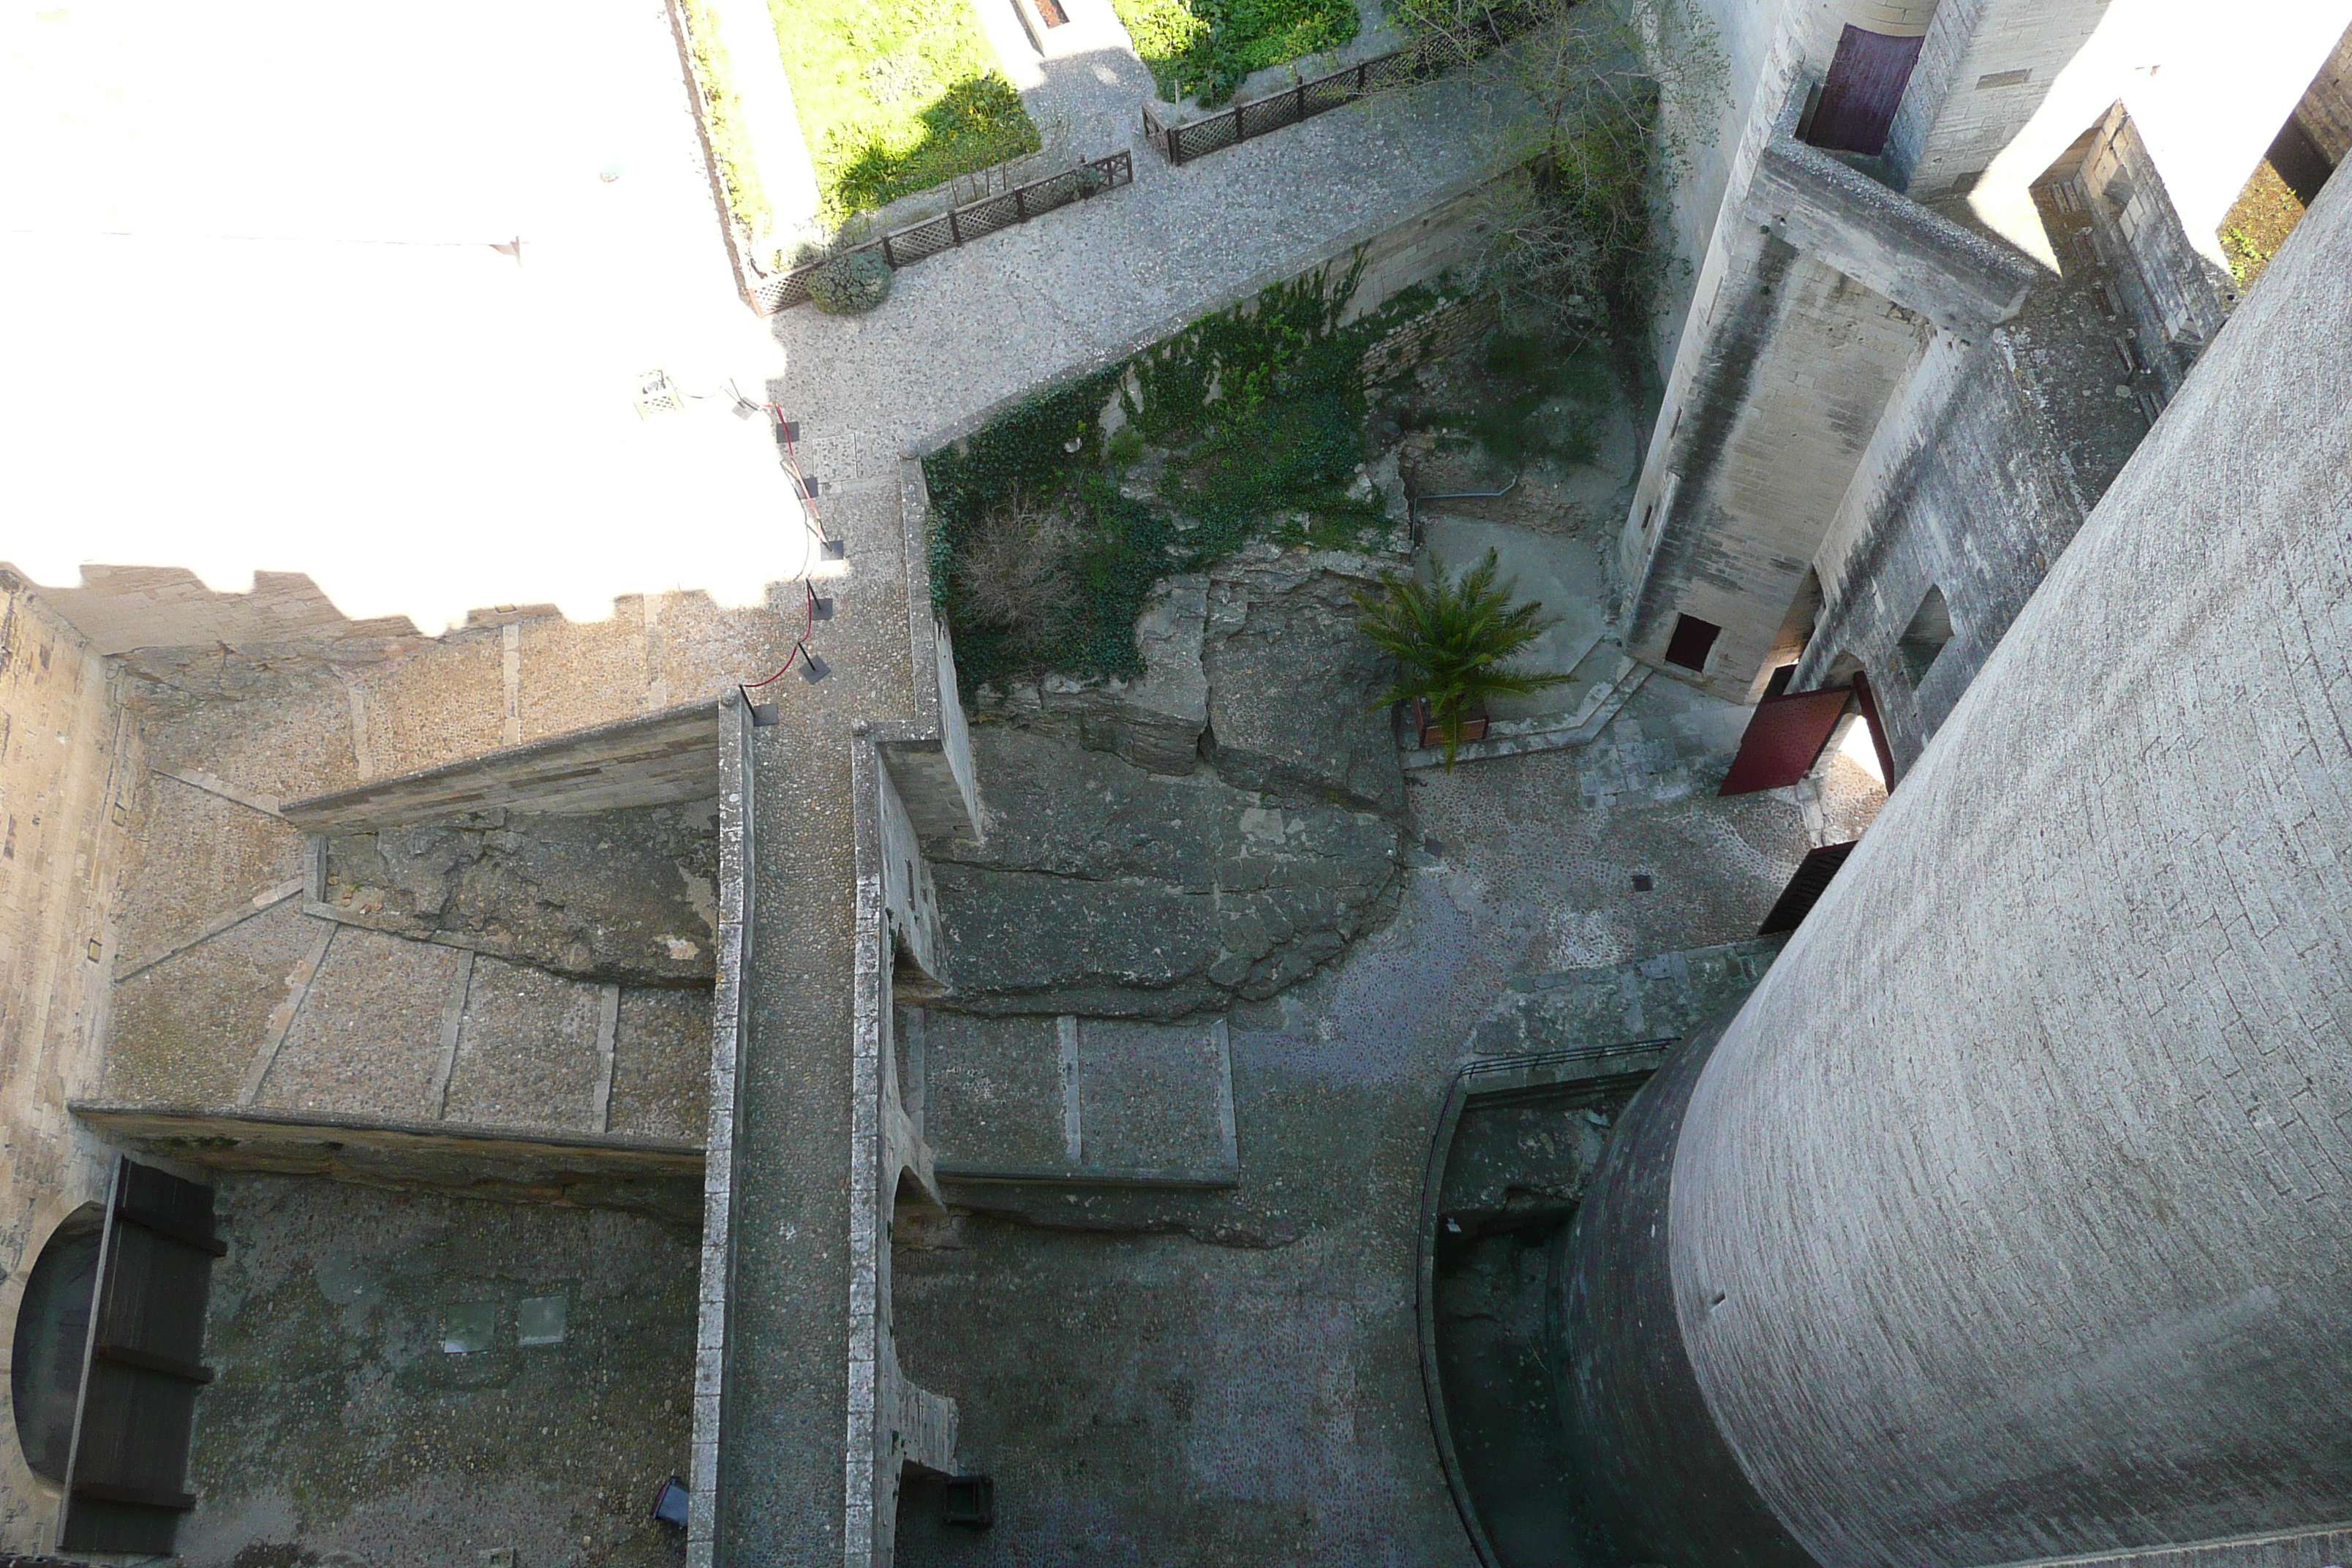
52	1334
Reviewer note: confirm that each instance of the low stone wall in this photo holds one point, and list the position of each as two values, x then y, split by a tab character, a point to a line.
645	1176
1650	999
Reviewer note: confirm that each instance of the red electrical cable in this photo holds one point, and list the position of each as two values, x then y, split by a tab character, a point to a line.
808	627
799	647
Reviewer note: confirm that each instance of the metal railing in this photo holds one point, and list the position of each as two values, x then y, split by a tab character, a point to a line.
962	225
1302	100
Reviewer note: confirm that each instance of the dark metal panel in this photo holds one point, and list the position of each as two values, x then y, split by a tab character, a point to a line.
136	1412
1784	740
1863	86
1805	888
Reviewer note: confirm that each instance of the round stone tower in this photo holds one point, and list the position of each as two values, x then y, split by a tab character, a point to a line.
2011	1217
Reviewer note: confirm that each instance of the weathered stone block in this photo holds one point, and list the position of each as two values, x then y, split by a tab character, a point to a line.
1292	681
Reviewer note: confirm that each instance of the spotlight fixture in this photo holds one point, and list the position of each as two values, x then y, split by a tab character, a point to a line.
762	713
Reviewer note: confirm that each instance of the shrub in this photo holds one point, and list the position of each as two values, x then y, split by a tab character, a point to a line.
1259	412
850	284
1618	98
1204	48
1014	571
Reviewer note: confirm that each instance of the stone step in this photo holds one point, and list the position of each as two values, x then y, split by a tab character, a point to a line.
1100	1102
1609	680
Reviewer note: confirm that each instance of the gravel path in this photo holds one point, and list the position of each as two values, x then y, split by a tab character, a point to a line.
972	327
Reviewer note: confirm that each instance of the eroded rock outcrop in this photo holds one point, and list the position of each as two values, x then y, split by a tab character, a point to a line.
623	895
1292	683
1107	890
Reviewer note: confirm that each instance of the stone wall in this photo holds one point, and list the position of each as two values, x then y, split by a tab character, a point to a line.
1975	484
2177	298
1829	299
1662	997
1948	128
69	762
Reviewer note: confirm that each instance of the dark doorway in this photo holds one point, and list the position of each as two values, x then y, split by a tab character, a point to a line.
1805	888
52	1329
1859	97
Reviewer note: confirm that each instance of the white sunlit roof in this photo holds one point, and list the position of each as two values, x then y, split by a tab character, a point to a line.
255	320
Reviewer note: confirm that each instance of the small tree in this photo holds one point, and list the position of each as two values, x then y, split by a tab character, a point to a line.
1618	96
1451	638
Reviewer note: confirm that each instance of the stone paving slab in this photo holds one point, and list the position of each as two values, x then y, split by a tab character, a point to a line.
1069	1099
1155	1096
367	1040
994	1092
527	1051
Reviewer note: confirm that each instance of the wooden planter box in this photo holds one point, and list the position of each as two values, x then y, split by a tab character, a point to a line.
1427	732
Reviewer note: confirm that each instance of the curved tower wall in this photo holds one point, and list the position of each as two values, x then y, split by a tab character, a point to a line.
2012	1215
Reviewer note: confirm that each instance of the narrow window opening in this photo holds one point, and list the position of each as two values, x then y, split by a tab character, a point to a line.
1924	638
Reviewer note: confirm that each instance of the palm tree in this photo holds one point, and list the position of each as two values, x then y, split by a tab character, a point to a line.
1451	637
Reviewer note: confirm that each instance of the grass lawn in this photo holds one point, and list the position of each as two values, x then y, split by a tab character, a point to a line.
1204	48
896	96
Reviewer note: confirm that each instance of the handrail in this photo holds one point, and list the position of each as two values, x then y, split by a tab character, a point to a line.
962	224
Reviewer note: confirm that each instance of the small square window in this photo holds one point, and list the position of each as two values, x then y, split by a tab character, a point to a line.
540	1321
1692	640
469	1328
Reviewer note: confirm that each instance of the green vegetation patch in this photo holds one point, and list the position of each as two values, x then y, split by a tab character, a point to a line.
1046	538
2258	222
1204	48
896	96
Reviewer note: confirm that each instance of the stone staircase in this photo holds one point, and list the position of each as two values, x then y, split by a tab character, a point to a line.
1601	681
415	1031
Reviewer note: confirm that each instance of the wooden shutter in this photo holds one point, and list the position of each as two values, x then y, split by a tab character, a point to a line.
1805	888
1784	737
124	1483
1859	96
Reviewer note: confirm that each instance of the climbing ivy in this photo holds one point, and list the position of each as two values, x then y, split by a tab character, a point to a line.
1254	417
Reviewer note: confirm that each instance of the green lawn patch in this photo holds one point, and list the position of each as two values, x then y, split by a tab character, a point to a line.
1204	48
896	96
1047	539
